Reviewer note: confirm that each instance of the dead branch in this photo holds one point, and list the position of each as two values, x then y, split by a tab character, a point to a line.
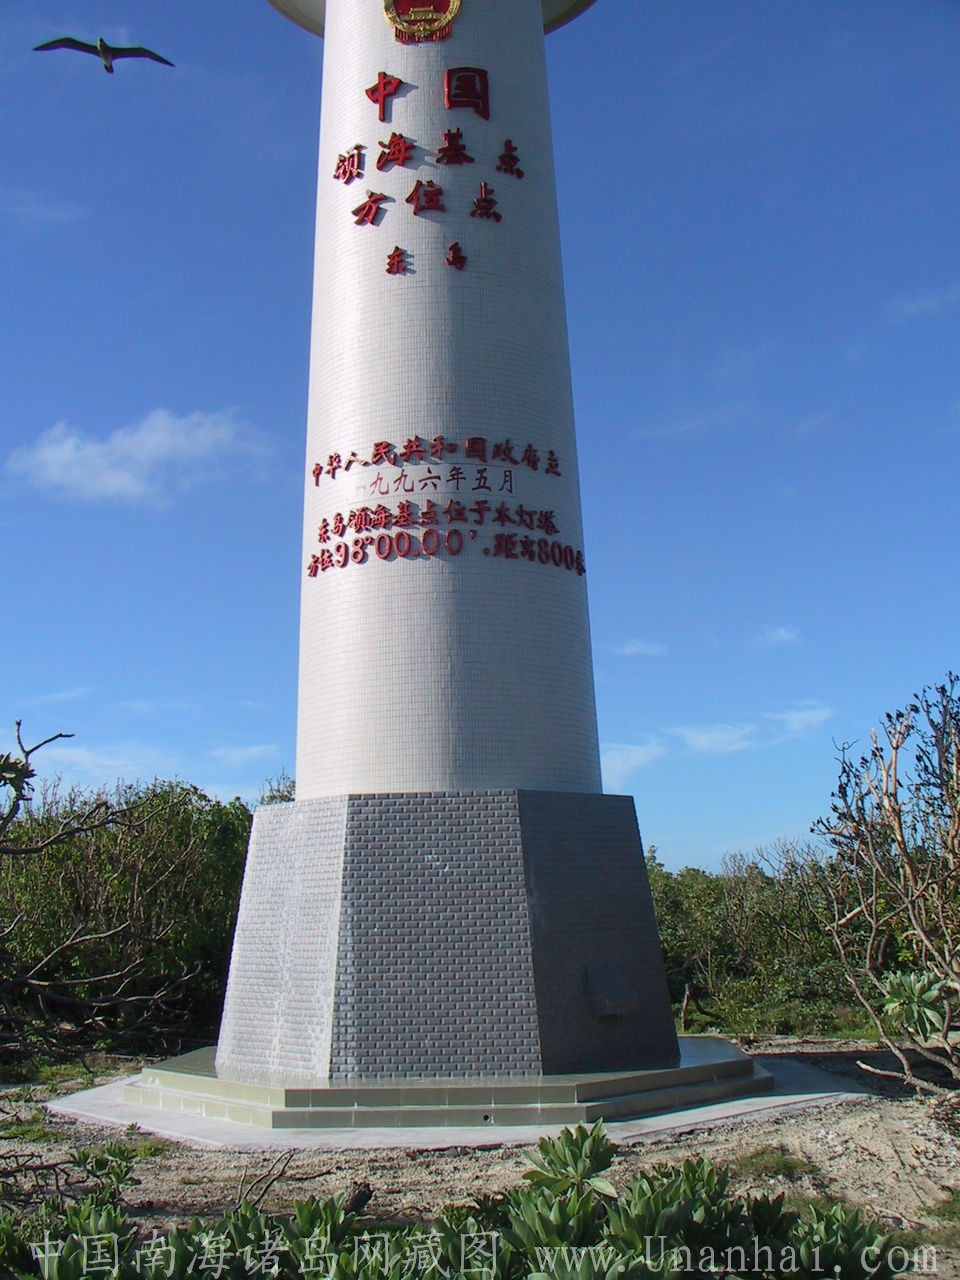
17	775
260	1187
28	1179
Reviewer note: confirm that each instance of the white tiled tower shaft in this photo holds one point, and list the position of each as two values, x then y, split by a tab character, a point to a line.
441	657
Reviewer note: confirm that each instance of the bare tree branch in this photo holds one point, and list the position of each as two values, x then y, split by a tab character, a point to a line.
17	776
892	884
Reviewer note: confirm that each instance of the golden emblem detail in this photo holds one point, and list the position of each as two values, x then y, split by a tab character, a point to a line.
416	20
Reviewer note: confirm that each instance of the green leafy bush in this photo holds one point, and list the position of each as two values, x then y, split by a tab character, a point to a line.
839	1241
574	1160
119	937
746	949
915	1002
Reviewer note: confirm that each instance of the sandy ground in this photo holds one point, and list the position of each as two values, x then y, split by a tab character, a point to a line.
891	1155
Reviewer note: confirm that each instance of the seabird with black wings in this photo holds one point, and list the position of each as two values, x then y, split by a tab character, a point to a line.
107	54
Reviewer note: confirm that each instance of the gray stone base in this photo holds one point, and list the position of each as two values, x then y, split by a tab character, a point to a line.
710	1071
476	934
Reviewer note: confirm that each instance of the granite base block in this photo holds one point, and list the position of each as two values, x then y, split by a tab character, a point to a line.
425	935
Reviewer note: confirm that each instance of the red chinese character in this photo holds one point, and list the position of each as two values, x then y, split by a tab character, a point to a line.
413	451
381	517
425	198
480	509
484	205
509	161
334	463
350	166
397	151
431	478
553	465
360	519
383	452
505	544
503	452
545	522
528	549
482	481
367	213
506	484
404	516
397	262
429	513
379	485
313	567
453	151
467	87
456	257
323	533
404	482
531	458
455	477
355	458
382	92
455	511
525	517
475	447
439	446
338	526
325	561
317	473
503	516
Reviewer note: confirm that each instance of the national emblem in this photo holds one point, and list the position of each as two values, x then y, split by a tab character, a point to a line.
416	20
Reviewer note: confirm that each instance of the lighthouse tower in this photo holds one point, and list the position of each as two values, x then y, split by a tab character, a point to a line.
450	894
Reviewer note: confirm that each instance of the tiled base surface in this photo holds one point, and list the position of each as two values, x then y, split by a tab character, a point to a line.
465	934
710	1070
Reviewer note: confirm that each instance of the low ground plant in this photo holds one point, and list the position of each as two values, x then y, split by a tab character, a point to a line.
567	1222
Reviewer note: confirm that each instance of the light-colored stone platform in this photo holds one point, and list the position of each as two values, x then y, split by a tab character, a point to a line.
710	1070
795	1086
726	1083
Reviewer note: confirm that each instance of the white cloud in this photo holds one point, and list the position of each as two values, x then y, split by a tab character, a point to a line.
693	424
33	208
716	739
154	706
926	303
141	463
237	757
778	637
618	761
735	364
757	733
641	649
803	717
60	695
127	761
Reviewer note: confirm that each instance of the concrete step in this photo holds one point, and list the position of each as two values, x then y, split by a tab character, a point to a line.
650	1102
449	1103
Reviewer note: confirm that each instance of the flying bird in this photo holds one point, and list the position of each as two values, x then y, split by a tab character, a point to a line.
105	52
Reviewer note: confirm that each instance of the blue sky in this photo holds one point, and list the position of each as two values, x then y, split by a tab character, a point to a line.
759	204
